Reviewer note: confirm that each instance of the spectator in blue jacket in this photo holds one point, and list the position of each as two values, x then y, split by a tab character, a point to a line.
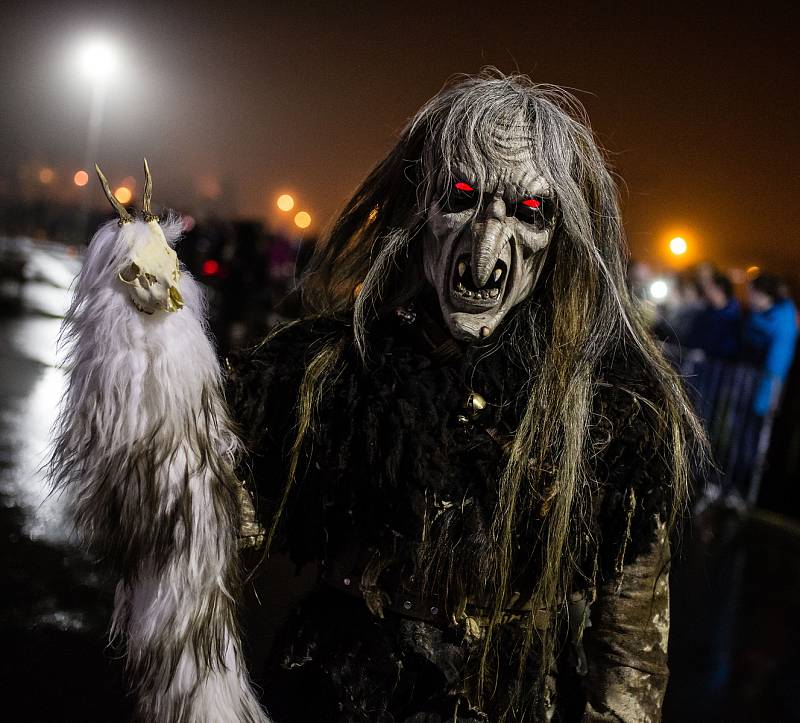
770	334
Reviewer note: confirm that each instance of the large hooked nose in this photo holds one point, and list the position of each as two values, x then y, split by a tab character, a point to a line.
488	240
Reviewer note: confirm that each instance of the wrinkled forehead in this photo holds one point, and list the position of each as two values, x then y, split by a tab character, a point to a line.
502	160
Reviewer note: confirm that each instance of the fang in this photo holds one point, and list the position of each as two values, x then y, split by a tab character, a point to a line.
497	274
462	268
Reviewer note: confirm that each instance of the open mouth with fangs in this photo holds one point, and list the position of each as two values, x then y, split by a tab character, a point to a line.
467	295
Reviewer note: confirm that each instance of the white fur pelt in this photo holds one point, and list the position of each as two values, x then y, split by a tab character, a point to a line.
144	448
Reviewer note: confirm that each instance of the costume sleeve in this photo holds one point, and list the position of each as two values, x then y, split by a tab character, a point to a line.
263	391
146	452
626	644
626	639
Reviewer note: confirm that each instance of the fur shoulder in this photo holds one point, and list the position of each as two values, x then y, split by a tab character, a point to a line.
263	381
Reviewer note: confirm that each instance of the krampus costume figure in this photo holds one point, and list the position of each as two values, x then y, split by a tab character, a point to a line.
471	433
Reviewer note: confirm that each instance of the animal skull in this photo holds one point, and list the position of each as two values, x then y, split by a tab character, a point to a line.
151	269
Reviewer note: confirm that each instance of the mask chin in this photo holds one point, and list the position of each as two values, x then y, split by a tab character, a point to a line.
474	325
473	313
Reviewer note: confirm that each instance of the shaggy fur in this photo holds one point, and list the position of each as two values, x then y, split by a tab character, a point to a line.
144	449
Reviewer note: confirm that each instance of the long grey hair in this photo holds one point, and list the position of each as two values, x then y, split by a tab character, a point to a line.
581	314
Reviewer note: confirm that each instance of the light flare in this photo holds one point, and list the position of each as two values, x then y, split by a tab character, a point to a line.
123	194
98	58
659	290
678	246
285	202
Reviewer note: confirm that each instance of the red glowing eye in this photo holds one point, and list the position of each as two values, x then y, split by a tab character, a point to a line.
461	186
210	267
532	203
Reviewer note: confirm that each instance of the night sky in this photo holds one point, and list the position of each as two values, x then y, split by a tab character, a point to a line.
699	107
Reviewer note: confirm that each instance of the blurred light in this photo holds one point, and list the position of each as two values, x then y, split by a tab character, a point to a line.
659	289
188	222
210	267
129	181
123	194
753	272
208	187
98	58
678	246
286	203
81	178
302	220
47	175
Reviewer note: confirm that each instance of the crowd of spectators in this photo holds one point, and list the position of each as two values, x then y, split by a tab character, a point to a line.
754	321
733	338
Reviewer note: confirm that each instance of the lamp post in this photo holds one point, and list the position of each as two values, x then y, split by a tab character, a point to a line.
98	59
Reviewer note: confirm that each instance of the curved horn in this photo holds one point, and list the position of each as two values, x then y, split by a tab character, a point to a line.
124	216
148	194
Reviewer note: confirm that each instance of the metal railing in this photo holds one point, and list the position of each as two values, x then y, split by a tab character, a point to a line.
723	393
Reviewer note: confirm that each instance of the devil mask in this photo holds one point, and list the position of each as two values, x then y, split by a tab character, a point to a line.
486	233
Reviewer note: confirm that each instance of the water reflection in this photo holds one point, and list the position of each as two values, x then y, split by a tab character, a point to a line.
30	394
55	605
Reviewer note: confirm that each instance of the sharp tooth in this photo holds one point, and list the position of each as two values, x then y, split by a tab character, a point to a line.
460	287
497	274
462	268
484	294
494	293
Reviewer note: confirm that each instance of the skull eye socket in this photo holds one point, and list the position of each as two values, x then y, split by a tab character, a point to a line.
460	197
537	211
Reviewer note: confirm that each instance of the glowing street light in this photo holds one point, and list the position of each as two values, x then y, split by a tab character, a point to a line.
98	59
678	246
123	194
46	175
81	178
302	220
659	289
285	202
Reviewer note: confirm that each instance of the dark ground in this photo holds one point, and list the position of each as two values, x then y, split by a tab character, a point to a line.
735	645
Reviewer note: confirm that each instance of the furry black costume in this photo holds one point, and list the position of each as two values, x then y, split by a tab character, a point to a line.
396	458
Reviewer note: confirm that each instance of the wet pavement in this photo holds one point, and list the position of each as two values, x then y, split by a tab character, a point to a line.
735	645
54	603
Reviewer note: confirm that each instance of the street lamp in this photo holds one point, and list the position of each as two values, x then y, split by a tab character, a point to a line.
285	202
678	246
659	289
98	59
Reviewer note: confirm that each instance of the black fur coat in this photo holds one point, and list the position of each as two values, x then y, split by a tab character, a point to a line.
394	458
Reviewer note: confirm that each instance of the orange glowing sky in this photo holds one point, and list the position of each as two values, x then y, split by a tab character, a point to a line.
235	104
